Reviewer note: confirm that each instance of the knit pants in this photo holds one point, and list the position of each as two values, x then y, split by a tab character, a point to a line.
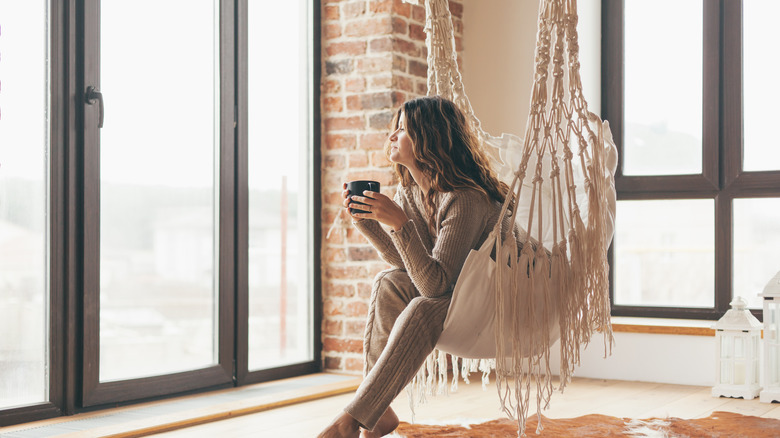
401	331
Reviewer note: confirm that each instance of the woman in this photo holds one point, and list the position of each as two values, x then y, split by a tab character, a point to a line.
447	202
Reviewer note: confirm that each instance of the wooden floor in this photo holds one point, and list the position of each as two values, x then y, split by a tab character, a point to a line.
582	396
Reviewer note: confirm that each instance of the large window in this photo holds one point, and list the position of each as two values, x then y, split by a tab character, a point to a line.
157	230
24	202
685	89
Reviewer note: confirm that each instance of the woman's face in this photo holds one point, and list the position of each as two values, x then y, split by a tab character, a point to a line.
401	145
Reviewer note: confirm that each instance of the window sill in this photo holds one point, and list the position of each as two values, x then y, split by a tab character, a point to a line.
662	326
167	415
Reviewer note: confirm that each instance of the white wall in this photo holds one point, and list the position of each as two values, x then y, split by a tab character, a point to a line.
499	41
643	357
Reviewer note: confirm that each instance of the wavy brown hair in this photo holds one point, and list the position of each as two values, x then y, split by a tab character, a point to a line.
446	150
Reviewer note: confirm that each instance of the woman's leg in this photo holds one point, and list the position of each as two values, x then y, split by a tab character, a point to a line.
412	339
393	290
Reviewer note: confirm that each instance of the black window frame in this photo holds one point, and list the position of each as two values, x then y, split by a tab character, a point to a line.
722	178
72	387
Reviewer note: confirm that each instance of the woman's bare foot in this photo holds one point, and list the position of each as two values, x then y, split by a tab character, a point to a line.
344	426
385	426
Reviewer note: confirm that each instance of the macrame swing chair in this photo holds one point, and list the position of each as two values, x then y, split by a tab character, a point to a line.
562	176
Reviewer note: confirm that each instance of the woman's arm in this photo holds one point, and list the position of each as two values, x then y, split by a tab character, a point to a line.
462	219
380	240
373	231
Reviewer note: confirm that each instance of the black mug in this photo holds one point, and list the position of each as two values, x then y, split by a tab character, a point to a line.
357	188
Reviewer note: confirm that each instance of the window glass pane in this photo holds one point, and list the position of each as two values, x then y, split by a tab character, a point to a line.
159	225
279	128
663	87
665	253
756	246
761	141
24	200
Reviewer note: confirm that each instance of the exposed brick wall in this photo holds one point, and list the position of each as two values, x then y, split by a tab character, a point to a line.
374	58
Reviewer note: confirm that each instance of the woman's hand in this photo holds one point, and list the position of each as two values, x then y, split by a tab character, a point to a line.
378	206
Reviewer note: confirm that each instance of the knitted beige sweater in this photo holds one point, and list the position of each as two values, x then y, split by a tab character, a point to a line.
463	220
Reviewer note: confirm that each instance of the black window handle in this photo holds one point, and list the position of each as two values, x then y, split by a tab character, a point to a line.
94	95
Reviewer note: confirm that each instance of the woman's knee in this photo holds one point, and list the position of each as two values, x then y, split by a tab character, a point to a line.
394	285
433	309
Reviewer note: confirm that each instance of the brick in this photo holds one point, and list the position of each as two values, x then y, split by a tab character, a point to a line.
355	84
345	272
353	9
403	83
376	268
343	123
332	307
418	13
419	69
331	86
339	67
406	47
422	88
354	364
358	159
402	8
384	44
339	290
383	176
336	236
382	81
333	328
399	26
334	180
350	48
334	255
342	345
356	308
332	363
416	32
327	216
381	120
378	159
330	12
373	141
363	292
331	31
377	100
399	63
380	6
456	9
334	197
341	141
457	26
332	104
333	161
354	328
354	103
373	64
362	254
368	27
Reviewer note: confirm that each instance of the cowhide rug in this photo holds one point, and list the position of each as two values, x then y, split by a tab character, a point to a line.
719	424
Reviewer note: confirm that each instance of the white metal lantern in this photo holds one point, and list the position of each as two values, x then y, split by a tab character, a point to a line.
771	297
737	336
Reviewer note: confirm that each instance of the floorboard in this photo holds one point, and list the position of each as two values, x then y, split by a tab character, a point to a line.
471	403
